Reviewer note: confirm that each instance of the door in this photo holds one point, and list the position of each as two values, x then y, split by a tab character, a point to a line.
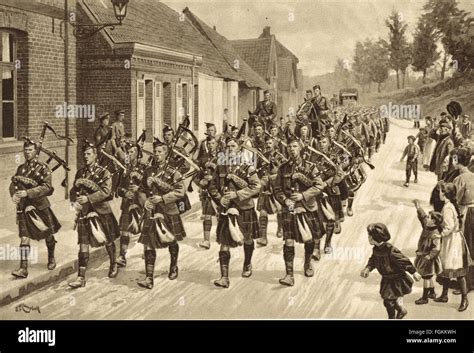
140	107
157	118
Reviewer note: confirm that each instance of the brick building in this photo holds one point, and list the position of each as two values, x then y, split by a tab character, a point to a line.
33	83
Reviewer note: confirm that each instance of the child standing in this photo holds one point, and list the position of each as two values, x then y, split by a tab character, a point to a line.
427	261
392	265
412	152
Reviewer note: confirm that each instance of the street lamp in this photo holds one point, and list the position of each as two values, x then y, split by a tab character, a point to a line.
87	30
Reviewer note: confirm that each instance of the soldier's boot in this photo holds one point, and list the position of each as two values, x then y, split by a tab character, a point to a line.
424	298
224	259
113	268
317	250
337	227
150	258
83	260
206	243
22	271
248	251
431	293
308	253
263	222
124	241
329	233
350	201
288	257
279	227
174	252
51	245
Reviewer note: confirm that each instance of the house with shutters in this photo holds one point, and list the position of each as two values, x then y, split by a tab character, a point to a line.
277	65
159	66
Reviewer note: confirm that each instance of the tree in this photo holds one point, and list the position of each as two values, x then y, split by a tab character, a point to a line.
453	27
425	52
360	65
398	46
379	62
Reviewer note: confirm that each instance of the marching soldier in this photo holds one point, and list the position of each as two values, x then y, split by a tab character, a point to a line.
208	164
267	204
232	188
296	186
96	224
130	206
333	224
266	110
35	218
258	140
319	113
162	226
203	149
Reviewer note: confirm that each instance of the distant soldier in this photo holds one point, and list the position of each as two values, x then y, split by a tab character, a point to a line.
103	134
266	110
319	114
118	129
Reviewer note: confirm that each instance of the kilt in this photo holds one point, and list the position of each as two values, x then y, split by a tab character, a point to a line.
248	225
206	205
264	203
290	226
335	202
344	189
27	229
126	219
149	236
109	225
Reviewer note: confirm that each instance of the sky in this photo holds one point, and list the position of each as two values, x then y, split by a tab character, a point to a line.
318	32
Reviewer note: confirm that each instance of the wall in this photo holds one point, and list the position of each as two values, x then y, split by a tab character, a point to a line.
40	88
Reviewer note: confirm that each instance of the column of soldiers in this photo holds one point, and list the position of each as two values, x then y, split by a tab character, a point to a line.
306	176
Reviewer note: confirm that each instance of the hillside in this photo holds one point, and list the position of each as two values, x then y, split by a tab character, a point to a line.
432	97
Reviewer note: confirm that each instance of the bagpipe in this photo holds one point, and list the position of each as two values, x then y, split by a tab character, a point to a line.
33	177
183	145
87	185
135	173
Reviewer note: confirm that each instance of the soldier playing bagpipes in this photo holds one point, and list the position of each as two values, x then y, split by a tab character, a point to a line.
31	185
130	207
296	187
234	184
267	205
161	188
96	224
207	163
176	161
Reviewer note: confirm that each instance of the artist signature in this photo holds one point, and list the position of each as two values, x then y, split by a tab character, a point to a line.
27	309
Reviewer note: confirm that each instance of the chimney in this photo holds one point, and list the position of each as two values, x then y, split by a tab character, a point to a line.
266	32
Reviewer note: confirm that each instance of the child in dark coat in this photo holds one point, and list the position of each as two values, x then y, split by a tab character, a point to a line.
392	265
427	261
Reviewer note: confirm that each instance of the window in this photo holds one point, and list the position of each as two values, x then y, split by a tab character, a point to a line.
274	68
7	70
